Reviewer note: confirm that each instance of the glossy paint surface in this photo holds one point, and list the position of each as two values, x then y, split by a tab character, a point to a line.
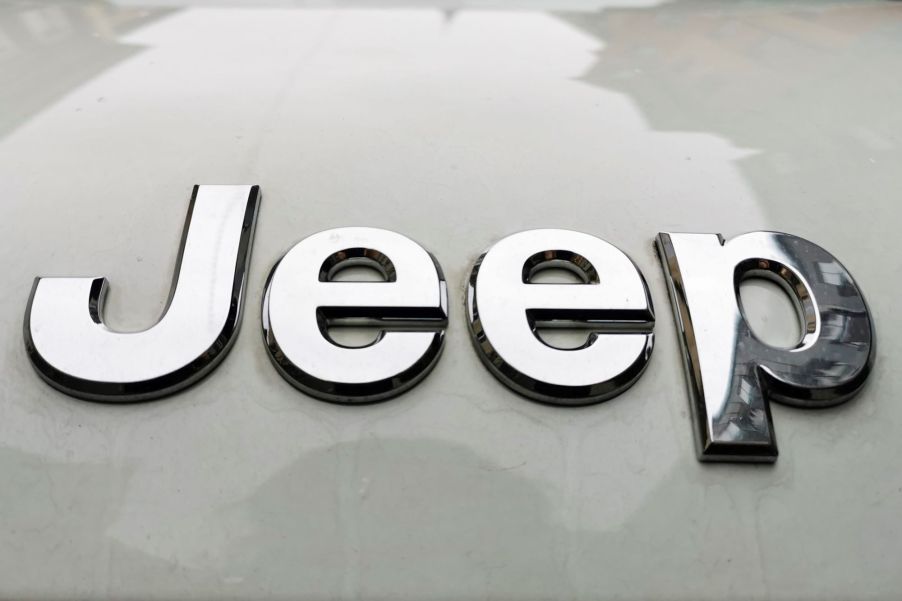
455	125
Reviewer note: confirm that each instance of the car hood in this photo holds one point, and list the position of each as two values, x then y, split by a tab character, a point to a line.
456	124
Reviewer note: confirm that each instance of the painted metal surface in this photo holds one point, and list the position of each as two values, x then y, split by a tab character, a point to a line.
455	125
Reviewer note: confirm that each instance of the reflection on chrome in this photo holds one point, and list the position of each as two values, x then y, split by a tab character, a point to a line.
732	375
410	308
504	310
74	351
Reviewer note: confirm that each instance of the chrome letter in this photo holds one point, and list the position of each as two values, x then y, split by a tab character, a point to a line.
504	309
301	302
732	375
72	349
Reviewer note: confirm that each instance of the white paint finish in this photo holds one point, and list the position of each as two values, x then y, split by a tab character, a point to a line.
454	129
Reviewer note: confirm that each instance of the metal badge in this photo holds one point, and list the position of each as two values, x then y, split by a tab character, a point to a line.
75	352
504	311
732	375
410	308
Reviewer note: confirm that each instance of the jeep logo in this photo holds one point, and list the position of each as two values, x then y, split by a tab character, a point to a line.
732	376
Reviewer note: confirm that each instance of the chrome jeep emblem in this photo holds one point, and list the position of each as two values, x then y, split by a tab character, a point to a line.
732	375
